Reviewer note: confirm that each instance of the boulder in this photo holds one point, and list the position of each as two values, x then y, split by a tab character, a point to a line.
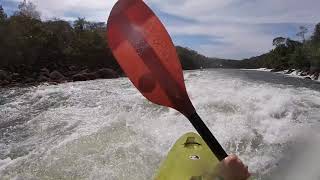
72	68
29	80
304	73
4	82
34	75
290	71
4	75
276	70
316	76
70	73
106	73
42	78
84	71
16	77
308	78
80	77
44	72
56	76
91	76
84	77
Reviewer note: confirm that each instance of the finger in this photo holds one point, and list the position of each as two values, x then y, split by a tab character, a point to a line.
231	158
248	175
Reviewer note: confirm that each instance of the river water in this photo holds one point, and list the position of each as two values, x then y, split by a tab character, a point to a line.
104	129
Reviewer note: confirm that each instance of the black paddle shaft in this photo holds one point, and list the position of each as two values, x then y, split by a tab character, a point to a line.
207	136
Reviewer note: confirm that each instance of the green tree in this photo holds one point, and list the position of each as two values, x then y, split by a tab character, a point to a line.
279	41
303	31
80	24
292	45
299	59
3	15
59	37
315	57
28	9
316	34
190	59
24	40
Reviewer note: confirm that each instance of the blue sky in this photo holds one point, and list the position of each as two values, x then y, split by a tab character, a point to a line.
232	29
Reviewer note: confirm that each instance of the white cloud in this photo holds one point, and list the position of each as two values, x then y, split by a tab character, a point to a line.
96	10
238	40
249	11
237	22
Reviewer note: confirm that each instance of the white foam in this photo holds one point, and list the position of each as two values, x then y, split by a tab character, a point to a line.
105	128
259	69
4	162
296	74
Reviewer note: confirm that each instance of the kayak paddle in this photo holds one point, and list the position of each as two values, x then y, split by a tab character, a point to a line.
147	55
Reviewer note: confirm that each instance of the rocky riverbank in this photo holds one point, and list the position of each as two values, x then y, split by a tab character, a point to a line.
302	74
309	75
70	74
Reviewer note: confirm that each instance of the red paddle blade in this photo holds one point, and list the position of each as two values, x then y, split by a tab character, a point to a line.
147	55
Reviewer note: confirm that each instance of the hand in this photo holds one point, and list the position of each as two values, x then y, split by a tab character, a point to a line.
232	168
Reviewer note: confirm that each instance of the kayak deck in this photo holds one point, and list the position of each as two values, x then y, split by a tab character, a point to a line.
189	159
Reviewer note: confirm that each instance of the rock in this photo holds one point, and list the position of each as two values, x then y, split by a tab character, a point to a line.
316	76
25	70
4	75
72	68
276	70
84	71
56	76
44	72
4	82
34	75
290	71
16	77
308	78
80	77
29	80
70	73
53	83
106	73
304	73
84	77
91	76
42	78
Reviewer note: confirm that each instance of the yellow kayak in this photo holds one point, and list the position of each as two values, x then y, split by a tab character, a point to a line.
189	159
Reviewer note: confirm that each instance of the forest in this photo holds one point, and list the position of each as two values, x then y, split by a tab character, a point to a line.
32	50
35	51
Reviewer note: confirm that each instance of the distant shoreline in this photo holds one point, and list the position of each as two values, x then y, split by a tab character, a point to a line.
109	74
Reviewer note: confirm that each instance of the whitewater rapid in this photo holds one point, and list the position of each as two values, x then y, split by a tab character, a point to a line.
104	129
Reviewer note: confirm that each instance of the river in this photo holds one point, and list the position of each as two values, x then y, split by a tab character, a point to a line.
104	129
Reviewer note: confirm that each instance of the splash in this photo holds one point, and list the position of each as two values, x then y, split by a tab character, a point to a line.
105	129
